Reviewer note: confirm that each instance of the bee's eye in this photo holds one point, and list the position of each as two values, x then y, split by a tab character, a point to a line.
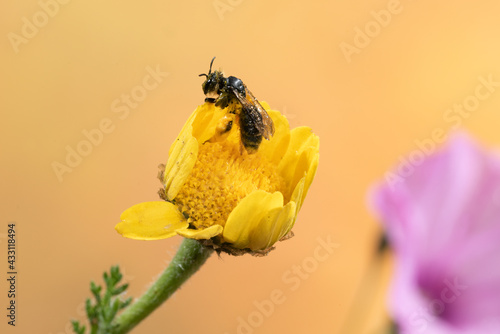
210	85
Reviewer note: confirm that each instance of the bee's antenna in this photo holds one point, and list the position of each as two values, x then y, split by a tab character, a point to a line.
210	71
211	65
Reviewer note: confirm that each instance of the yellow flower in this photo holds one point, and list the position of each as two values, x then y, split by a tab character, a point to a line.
215	192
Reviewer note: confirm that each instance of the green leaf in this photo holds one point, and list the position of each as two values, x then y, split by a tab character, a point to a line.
102	310
77	328
120	289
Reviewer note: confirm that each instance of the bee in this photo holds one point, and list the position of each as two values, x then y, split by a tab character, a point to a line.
231	92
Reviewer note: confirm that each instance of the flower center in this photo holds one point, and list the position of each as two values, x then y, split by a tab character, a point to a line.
221	177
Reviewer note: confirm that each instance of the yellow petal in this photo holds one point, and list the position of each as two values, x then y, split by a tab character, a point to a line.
274	226
183	153
298	192
180	163
276	148
297	198
206	233
206	121
257	221
151	221
265	105
188	127
301	159
311	172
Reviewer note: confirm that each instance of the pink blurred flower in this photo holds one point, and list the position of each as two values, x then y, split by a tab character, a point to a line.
443	222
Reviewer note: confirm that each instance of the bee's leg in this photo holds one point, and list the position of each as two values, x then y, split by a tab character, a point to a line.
222	100
223	128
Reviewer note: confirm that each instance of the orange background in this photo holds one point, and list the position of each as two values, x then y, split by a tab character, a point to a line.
368	109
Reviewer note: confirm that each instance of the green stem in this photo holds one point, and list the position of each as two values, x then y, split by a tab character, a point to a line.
189	258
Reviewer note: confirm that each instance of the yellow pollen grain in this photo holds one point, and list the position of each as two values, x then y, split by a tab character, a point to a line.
221	177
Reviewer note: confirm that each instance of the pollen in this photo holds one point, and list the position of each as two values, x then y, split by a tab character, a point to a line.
223	175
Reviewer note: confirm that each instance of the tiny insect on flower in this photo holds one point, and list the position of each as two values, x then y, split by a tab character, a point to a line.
221	195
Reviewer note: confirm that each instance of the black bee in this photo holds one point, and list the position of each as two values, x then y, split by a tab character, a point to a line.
254	121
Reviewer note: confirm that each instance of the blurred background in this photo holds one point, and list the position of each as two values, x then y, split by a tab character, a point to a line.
93	94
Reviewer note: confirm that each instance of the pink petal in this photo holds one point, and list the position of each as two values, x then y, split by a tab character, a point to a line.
443	222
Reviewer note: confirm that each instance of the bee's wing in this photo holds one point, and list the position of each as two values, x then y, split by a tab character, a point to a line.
251	103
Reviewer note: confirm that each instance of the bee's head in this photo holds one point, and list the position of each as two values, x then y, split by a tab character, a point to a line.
214	81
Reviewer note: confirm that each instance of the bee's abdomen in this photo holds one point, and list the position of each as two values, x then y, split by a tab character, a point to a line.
252	142
251	136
